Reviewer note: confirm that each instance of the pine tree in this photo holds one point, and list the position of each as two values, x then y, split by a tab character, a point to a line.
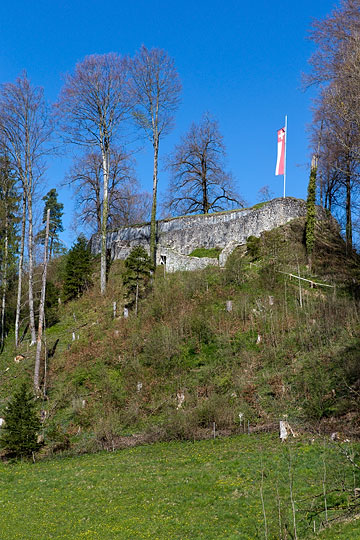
137	275
77	276
19	434
56	226
311	211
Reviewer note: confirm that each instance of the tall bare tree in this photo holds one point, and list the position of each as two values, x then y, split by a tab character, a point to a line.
124	197
20	269
337	40
8	234
335	66
199	180
93	104
328	154
25	131
339	149
156	88
42	307
130	206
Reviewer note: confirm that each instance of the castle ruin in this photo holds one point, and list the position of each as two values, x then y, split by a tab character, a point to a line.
178	237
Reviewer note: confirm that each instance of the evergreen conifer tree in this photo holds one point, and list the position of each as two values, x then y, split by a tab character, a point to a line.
137	275
77	276
56	226
19	435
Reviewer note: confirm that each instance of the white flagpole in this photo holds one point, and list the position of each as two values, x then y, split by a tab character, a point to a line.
285	154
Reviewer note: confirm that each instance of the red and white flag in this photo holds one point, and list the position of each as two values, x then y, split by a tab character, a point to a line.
280	162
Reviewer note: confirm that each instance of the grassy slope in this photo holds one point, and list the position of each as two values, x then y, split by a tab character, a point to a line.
305	364
187	491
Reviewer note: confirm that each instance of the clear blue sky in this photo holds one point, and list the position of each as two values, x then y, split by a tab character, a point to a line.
241	61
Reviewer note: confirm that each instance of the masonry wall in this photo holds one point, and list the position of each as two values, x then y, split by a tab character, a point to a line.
178	237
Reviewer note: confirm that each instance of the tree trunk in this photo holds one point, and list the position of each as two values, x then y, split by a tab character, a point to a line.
137	297
51	247
20	271
154	200
98	208
41	310
4	279
348	212
31	269
205	199
204	187
321	190
104	220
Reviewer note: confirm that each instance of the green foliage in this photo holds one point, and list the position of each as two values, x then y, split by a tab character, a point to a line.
77	275
19	437
311	212
136	277
212	253
55	226
235	273
52	295
253	247
245	340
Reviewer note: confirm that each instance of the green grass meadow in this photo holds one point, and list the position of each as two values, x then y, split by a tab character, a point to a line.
179	490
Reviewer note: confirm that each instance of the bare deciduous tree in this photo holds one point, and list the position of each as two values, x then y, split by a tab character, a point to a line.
339	151
335	65
93	104
126	204
337	38
130	207
156	88
327	152
199	180
8	225
25	130
42	308
265	194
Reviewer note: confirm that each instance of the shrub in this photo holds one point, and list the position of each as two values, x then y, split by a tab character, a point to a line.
235	268
19	437
253	247
214	409
138	269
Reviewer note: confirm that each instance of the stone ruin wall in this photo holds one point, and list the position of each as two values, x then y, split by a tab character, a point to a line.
178	237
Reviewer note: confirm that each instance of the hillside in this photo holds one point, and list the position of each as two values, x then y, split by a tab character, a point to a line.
211	353
285	348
